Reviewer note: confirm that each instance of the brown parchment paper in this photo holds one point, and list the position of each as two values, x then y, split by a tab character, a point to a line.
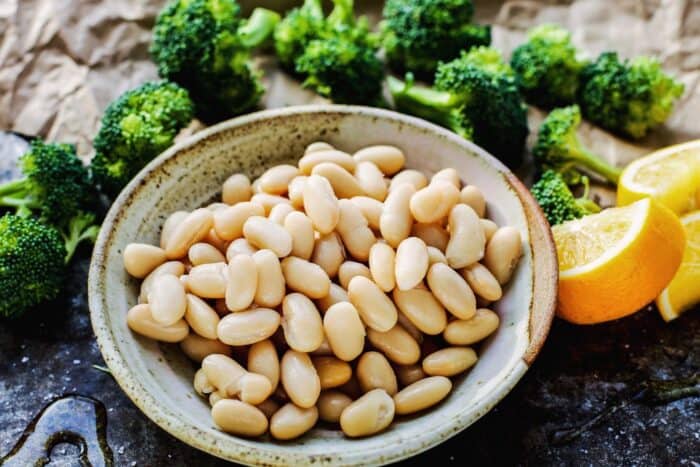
63	61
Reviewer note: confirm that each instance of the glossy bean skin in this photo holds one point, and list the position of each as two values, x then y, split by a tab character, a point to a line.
311	160
375	308
354	230
448	175
300	379
432	203
191	230
169	225
263	233
239	246
263	360
275	180
433	235
239	418
201	384
415	178
268	201
197	347
370	208
410	328
389	159
331	404
141	259
382	264
280	212
374	372
214	240
301	322
204	253
167	299
350	269
332	372
140	320
435	256
467	241
242	283
291	422
489	227
321	204
228	223
201	317
468	332
248	327
371	180
317	146
301	229
328	253
422	394
482	282
396	221
503	252
411	263
176	268
236	189
208	280
368	415
472	196
423	310
409	374
343	183
344	331
296	191
336	294
305	277
231	379
449	361
270	288
397	344
452	291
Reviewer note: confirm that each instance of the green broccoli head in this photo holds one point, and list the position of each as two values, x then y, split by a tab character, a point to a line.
136	127
346	71
204	46
418	34
55	185
547	68
629	97
556	200
558	147
32	264
301	26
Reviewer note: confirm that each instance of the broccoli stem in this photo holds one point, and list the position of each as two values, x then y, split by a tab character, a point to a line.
343	12
80	228
594	163
259	27
13	186
426	103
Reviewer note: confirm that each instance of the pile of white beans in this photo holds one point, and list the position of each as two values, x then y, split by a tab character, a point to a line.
370	289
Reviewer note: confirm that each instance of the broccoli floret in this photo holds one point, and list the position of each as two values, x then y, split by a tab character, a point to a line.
205	46
476	98
559	148
296	30
55	184
418	34
547	68
136	127
32	264
630	97
557	202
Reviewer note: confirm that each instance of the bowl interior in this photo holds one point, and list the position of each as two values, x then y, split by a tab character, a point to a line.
159	377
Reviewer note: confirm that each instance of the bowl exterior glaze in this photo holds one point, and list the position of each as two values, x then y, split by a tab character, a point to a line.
158	378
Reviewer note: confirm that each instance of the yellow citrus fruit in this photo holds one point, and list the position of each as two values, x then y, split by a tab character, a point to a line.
684	290
613	263
670	175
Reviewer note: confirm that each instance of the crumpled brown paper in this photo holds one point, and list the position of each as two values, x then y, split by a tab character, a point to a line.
63	61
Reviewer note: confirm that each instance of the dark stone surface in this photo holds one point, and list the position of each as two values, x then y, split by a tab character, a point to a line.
587	379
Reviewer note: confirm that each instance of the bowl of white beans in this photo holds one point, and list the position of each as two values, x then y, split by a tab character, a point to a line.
327	285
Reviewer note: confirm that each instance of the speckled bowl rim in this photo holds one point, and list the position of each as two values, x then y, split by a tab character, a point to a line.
542	307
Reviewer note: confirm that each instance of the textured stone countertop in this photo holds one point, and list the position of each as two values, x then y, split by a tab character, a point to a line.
590	398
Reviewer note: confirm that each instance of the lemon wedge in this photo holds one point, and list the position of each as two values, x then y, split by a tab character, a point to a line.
615	262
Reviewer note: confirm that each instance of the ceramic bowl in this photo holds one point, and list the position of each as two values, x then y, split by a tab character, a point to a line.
158	378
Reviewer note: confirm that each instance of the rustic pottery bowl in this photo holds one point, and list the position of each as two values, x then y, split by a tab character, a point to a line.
158	378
